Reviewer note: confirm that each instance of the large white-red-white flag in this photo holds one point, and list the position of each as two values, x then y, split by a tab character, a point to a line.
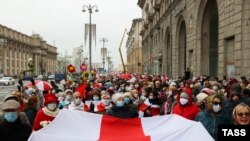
72	125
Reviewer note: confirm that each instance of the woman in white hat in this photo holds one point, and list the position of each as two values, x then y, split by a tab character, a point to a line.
120	109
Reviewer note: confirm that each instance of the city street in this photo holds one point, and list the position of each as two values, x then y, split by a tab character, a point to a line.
5	90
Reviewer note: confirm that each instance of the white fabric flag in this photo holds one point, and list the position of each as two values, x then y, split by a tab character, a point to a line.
72	125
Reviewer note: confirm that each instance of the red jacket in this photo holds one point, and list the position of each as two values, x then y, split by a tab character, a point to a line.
42	116
189	110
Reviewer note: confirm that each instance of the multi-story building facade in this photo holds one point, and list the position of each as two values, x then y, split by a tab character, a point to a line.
134	47
210	37
17	48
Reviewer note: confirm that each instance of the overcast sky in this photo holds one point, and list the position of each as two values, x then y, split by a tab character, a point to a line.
63	21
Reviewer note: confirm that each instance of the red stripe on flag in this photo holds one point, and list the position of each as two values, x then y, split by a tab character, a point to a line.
115	129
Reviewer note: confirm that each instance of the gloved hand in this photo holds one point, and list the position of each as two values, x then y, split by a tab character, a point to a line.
91	107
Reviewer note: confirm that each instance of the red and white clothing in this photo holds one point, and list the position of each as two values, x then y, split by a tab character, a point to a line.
43	117
101	108
154	109
80	107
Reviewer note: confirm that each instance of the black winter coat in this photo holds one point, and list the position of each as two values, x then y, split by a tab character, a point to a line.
14	131
122	112
31	114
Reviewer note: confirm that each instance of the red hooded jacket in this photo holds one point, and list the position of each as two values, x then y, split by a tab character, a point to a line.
189	110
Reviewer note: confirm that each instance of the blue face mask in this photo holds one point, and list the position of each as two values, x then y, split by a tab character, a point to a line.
95	98
10	116
120	103
127	100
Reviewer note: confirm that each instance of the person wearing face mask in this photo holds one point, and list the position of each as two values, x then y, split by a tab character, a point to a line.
136	97
216	87
200	100
151	106
21	114
102	106
185	107
77	103
61	98
68	97
12	128
128	98
120	109
46	114
213	115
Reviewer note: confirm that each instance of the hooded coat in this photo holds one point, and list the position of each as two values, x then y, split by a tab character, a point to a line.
189	110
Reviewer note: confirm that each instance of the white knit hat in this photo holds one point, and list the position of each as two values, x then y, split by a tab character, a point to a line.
68	91
173	84
128	94
116	96
201	96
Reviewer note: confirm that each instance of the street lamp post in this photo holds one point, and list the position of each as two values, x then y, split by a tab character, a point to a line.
103	51
90	8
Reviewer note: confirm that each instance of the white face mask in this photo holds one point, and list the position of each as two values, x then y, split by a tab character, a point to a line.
69	97
191	86
183	101
77	101
106	102
216	108
215	88
52	106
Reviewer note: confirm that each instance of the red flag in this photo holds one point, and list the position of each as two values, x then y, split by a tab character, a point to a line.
81	90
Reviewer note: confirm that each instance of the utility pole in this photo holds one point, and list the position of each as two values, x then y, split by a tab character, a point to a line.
103	51
124	69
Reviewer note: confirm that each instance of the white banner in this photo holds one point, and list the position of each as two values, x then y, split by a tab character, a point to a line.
72	125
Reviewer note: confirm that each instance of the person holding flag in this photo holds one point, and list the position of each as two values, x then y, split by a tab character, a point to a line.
46	114
77	103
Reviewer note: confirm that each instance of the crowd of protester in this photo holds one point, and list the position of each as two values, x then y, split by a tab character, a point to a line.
204	99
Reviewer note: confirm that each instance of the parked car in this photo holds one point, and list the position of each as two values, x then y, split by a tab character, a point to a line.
39	77
59	77
27	78
51	77
7	81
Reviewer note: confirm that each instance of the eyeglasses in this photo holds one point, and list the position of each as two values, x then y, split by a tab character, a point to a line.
243	114
217	103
